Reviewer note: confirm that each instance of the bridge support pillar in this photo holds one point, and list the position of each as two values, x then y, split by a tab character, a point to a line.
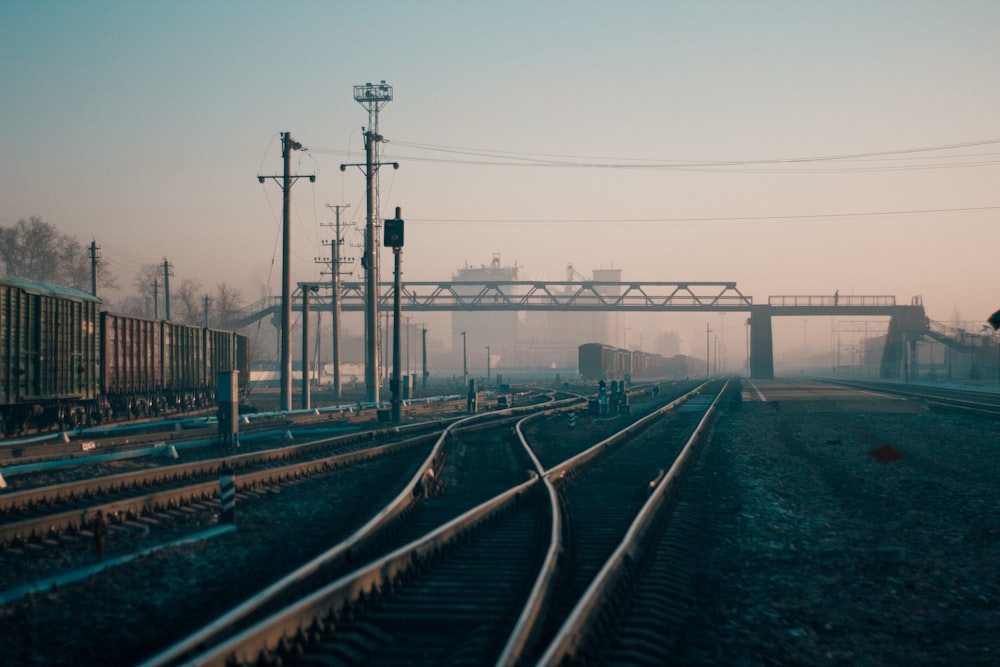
906	325
761	343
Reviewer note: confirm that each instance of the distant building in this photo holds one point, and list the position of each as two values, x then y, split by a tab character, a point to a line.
499	330
551	338
533	339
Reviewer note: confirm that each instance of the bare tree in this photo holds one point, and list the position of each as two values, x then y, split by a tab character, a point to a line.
146	277
36	250
74	263
141	306
186	302
28	249
227	304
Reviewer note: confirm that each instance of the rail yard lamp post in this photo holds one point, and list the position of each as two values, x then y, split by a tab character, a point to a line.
373	98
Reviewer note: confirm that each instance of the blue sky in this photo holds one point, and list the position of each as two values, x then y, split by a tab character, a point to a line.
143	125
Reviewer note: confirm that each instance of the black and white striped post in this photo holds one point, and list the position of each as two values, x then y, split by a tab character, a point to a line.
227	494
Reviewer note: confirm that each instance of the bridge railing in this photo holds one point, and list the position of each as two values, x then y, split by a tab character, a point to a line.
261	305
833	300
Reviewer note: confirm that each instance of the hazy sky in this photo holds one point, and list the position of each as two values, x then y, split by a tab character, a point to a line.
792	147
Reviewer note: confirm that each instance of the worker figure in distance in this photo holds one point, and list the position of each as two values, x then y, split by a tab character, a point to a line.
836	297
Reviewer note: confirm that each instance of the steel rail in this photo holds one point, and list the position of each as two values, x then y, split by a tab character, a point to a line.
187	646
13	500
585	614
526	626
77	519
297	619
300	617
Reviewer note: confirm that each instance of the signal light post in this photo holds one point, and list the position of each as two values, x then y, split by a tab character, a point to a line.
394	239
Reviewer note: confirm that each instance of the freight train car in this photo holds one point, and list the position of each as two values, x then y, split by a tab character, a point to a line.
64	363
151	366
49	354
604	362
131	365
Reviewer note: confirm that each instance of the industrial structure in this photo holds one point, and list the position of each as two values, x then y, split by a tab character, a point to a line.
553	336
499	329
494	304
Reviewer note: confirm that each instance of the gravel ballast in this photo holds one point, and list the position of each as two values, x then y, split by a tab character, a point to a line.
818	554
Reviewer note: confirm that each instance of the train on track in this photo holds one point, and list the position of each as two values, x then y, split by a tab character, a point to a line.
65	363
604	362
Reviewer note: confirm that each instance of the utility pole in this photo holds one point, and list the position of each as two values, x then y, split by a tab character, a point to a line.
424	335
335	260
306	289
287	180
94	259
206	311
408	356
708	352
316	355
465	361
166	289
373	98
156	300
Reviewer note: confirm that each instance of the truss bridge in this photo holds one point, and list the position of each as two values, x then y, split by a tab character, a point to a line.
907	323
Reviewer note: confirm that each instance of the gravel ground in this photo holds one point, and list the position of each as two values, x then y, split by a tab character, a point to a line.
817	554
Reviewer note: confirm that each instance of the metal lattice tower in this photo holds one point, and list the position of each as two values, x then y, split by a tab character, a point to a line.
373	98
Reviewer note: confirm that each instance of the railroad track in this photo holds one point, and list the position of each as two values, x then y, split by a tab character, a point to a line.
32	515
198	428
36	514
982	404
483	582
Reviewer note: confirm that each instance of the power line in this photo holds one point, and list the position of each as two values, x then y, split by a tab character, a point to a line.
723	219
496	158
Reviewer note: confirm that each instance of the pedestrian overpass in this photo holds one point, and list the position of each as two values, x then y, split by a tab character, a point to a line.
907	323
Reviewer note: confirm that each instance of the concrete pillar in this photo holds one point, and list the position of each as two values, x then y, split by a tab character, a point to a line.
761	343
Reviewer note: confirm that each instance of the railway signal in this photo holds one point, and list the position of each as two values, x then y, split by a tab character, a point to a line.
393	238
